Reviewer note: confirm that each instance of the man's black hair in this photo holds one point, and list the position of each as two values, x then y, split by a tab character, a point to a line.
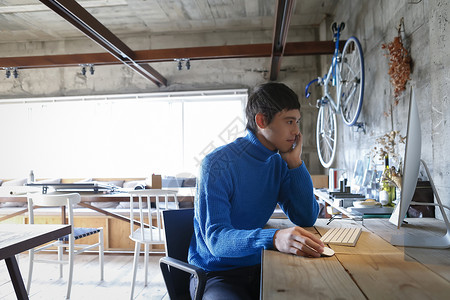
269	99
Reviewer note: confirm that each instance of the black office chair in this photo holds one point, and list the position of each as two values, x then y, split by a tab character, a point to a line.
179	228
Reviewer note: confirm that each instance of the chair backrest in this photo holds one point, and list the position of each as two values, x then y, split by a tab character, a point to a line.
142	212
52	200
179	228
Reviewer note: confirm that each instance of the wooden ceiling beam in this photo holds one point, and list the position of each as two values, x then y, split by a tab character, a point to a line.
166	55
75	14
283	15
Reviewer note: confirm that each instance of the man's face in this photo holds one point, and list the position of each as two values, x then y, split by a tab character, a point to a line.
280	134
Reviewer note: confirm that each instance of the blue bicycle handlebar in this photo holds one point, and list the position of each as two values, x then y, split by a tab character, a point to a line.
307	94
336	36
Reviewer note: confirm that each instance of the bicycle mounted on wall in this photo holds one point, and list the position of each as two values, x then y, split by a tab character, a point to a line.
343	90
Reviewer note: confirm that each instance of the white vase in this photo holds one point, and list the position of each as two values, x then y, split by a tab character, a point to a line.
384	197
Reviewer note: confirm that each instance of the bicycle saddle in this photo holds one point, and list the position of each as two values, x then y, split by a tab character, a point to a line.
334	27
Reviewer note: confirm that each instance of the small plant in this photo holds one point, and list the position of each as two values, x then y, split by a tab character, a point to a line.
386	145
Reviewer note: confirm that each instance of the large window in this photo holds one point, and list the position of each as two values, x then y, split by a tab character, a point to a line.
117	136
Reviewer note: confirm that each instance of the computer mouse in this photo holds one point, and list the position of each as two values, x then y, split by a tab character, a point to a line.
327	252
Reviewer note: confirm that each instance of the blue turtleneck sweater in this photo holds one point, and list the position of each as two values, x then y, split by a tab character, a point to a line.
238	189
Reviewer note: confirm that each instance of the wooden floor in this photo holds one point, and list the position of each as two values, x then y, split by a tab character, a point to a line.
47	285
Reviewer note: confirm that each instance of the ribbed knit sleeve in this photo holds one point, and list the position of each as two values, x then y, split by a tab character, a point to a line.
297	198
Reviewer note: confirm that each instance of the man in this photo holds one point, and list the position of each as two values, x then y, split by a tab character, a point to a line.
239	187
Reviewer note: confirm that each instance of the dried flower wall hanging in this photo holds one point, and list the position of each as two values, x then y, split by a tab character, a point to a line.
399	64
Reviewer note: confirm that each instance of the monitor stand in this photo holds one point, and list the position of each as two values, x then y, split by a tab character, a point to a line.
441	242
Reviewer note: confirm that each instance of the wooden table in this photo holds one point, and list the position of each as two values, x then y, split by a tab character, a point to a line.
373	269
17	238
178	194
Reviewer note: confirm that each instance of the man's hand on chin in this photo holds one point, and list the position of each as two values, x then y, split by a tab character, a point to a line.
293	156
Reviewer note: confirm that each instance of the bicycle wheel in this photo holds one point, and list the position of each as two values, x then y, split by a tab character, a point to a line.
352	81
326	134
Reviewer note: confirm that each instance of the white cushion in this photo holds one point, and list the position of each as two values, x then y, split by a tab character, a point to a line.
49	181
14	182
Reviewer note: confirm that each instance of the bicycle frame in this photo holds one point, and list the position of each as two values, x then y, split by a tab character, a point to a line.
345	77
333	75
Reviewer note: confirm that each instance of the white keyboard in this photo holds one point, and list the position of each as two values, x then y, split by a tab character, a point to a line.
345	236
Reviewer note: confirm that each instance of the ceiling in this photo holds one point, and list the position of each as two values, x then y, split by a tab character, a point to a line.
31	20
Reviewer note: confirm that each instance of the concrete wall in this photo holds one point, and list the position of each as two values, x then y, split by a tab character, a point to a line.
373	22
204	75
426	35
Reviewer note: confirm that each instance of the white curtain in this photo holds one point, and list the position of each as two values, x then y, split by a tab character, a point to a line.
116	136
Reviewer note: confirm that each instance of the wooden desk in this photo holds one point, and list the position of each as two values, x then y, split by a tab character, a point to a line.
17	238
115	222
156	193
374	269
179	195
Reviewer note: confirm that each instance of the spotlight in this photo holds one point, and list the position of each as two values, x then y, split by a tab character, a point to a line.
188	64
180	63
11	70
84	69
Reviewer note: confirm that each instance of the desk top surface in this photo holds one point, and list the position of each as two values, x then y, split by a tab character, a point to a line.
183	194
16	238
373	269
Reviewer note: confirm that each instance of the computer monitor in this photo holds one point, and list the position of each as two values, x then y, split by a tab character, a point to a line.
411	167
409	180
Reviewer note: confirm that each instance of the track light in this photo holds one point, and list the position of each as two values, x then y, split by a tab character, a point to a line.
188	64
8	70
84	70
180	63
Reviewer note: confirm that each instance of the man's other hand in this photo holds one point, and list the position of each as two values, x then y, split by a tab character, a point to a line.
298	241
